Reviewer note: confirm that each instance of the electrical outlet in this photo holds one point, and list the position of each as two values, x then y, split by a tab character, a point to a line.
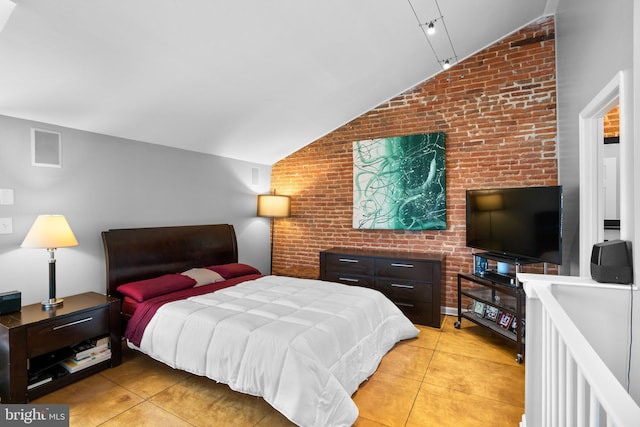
6	225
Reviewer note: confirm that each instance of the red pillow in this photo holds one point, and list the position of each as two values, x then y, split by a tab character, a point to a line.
234	269
145	289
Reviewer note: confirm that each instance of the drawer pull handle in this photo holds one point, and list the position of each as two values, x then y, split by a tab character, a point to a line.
396	264
348	279
398	285
355	261
404	304
88	319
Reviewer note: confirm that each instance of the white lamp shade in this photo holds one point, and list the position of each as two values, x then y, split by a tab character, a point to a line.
274	206
50	232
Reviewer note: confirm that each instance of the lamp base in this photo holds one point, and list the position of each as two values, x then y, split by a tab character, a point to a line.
52	303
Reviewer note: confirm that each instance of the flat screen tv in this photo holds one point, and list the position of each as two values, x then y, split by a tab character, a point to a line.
523	222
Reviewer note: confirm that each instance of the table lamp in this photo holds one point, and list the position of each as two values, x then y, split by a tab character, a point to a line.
50	232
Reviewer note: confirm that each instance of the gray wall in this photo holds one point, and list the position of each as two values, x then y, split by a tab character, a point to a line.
108	182
594	40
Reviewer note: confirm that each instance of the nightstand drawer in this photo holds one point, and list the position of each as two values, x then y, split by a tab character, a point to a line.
405	269
404	289
57	333
351	263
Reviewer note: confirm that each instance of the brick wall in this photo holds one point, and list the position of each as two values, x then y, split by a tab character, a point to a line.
612	123
498	110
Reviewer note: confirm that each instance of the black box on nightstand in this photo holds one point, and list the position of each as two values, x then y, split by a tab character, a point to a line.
10	302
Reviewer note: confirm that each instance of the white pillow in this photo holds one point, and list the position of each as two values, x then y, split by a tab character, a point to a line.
203	276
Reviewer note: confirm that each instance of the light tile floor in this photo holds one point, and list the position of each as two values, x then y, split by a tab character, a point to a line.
445	377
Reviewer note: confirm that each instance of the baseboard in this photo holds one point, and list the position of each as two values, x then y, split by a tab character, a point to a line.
449	311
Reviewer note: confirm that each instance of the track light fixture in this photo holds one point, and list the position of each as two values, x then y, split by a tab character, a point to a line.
431	29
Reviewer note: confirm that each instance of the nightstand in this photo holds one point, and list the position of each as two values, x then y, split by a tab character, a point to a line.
37	333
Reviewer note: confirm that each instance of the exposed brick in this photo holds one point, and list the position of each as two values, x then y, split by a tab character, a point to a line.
498	110
612	123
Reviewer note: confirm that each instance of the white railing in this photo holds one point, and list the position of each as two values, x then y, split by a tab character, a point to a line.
567	383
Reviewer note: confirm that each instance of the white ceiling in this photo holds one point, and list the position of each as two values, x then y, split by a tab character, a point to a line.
248	79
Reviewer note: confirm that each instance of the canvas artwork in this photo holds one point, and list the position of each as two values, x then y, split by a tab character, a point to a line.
399	183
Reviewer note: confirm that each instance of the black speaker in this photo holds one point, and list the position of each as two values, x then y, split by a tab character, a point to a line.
10	302
611	262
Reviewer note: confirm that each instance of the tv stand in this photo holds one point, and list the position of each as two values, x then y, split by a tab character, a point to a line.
497	299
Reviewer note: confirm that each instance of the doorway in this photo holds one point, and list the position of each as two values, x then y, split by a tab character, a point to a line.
593	199
611	174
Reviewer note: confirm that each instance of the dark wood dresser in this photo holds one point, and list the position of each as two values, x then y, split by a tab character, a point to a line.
414	281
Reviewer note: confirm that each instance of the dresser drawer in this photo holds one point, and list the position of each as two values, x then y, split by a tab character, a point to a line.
404	269
404	289
418	312
349	279
65	331
353	264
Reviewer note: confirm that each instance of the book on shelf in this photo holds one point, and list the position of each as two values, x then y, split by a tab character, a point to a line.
39	383
90	357
90	347
73	364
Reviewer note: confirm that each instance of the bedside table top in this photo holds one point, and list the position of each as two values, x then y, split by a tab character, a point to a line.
34	313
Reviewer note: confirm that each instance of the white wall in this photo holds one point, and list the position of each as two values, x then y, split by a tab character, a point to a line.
108	182
595	41
595	310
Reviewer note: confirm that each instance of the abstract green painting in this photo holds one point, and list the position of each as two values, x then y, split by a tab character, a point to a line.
399	183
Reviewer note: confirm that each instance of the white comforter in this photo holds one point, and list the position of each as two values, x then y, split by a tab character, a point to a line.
303	345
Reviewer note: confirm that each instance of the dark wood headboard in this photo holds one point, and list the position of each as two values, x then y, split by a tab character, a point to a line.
143	253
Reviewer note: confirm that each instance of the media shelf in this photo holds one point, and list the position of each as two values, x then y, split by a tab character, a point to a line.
488	296
498	330
498	299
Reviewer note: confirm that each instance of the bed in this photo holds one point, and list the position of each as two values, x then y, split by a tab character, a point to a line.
303	345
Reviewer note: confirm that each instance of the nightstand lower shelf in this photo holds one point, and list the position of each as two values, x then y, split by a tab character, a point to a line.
47	388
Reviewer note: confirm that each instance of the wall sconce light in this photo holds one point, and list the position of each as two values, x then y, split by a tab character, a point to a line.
273	206
50	232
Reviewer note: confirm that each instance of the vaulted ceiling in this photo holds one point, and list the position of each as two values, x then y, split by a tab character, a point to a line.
252	79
